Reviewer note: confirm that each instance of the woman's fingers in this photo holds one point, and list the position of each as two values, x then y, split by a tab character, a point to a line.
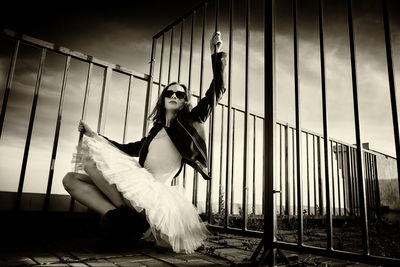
216	39
80	126
84	128
216	42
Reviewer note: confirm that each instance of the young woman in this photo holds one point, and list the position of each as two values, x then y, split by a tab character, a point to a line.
132	195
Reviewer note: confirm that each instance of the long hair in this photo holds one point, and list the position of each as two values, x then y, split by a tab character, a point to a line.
158	113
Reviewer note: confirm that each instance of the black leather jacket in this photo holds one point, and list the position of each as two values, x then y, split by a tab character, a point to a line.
186	130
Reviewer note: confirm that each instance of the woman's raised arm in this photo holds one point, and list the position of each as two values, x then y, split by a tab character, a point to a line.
218	85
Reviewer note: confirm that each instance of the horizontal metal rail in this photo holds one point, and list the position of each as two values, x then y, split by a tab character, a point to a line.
179	20
74	54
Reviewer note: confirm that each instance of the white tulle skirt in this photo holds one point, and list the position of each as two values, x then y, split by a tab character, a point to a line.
172	217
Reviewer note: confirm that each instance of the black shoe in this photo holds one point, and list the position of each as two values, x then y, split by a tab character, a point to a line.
136	221
125	222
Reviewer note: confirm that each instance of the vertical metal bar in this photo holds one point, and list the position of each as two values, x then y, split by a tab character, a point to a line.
83	116
371	184
354	181
184	176
308	177
325	129
195	188
211	132
229	142
87	91
371	180
315	178
361	185
57	132
180	52
298	129
254	165
195	174
343	187
338	178
392	88
191	50
246	119
320	195
161	65
365	177
196	180
220	162
294	173
344	180
351	177
269	127
378	198
333	181
233	158
149	87
8	85
287	192
128	107
189	86
101	124
30	127
367	183
280	169
202	50
349	181
170	54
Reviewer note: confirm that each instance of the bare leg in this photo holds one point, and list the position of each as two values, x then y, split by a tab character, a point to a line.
94	191
82	188
109	190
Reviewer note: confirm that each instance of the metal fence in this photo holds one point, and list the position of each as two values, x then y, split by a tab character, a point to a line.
349	188
108	70
343	175
350	185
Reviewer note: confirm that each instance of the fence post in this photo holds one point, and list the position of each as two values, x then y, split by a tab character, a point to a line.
269	254
8	85
149	88
30	128
57	132
359	154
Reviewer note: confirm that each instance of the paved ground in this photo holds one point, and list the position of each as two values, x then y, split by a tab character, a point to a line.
82	252
219	250
69	239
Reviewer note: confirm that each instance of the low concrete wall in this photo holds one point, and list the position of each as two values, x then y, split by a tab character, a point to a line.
388	181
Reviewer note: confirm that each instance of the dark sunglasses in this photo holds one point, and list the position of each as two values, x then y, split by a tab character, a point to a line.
179	94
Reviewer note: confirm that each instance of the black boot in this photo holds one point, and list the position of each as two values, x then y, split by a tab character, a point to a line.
121	228
136	221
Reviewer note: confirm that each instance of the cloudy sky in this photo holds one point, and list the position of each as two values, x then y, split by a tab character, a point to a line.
122	34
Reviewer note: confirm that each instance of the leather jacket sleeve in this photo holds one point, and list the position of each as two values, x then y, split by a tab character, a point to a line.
131	149
203	109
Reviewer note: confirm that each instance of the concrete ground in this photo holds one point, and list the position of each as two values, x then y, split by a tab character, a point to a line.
219	250
61	239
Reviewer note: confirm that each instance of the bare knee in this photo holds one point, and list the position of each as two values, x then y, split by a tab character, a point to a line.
69	181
